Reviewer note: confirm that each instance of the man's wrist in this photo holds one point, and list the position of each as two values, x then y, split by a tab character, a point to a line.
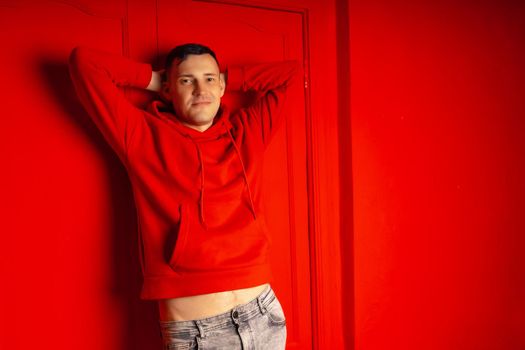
155	83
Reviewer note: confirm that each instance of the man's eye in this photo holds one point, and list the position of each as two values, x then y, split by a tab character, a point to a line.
211	79
185	81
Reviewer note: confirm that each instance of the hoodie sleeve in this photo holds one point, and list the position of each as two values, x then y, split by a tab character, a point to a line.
97	77
272	81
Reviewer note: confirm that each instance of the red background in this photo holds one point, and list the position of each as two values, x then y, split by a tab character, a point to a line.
438	169
418	116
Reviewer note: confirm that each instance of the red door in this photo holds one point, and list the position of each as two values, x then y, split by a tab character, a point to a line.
240	34
69	257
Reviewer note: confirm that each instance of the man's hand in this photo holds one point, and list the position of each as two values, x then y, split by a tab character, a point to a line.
155	83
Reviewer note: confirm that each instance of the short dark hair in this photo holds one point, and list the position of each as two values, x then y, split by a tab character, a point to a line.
181	52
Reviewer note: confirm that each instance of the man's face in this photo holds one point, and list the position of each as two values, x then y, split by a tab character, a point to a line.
195	87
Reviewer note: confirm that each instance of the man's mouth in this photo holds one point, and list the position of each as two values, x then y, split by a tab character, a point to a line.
198	103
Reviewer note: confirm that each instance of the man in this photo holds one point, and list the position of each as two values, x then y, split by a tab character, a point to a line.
195	169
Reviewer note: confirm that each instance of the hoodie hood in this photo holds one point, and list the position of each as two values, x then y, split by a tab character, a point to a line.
221	122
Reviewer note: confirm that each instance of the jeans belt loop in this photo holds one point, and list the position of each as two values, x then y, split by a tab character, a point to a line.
198	323
261	306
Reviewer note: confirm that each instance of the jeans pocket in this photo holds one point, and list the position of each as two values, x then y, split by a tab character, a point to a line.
275	313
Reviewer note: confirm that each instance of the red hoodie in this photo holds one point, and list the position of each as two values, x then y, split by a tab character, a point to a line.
198	194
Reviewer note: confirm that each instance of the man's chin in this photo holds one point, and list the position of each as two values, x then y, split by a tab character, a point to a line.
202	121
201	118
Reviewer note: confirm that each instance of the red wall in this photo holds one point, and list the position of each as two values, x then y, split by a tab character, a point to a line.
68	241
438	150
431	187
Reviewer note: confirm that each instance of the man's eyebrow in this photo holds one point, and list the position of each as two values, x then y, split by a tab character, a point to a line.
191	75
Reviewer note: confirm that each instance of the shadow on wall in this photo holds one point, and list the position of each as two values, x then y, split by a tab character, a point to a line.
141	330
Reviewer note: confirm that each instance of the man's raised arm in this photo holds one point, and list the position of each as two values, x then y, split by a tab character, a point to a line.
272	80
97	77
155	83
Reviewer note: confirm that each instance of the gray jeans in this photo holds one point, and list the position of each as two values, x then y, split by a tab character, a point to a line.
259	324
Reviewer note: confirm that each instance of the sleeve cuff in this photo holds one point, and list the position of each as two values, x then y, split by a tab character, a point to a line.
144	74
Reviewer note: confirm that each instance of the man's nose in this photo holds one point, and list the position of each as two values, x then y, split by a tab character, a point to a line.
198	88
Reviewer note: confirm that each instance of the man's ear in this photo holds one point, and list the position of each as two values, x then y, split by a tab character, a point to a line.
164	92
222	82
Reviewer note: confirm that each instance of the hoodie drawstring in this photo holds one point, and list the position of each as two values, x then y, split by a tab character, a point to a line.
244	173
201	161
203	221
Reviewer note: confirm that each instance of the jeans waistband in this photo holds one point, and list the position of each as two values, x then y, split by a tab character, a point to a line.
236	315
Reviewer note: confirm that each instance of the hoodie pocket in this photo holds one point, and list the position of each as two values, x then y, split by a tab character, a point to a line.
182	237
